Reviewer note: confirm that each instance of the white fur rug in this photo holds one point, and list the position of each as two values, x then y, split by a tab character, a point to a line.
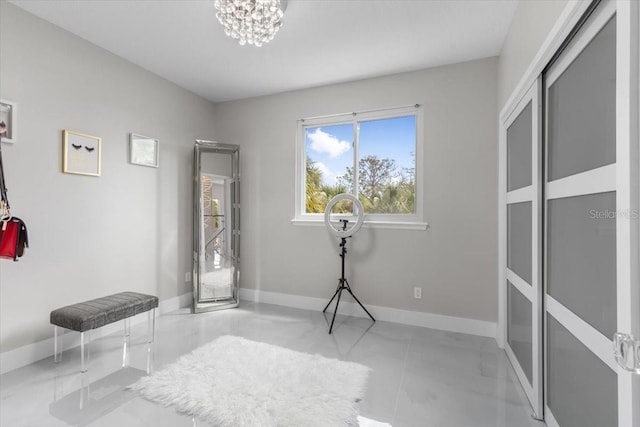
366	422
234	382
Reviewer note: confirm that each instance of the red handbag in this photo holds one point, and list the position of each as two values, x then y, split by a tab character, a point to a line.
13	231
13	238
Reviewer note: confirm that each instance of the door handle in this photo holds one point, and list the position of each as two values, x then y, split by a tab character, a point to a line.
627	352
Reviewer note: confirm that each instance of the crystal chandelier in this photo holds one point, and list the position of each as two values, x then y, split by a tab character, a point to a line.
250	21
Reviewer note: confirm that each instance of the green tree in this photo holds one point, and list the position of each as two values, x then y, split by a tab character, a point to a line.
382	188
374	174
319	193
315	201
398	198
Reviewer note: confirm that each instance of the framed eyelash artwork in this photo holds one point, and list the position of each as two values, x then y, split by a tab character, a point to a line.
81	153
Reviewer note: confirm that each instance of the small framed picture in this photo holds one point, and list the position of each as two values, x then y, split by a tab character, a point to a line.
81	153
8	121
143	150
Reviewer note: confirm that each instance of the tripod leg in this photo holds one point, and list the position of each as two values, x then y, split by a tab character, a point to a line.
336	309
333	297
358	301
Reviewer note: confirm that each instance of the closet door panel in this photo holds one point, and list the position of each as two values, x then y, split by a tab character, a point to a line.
520	329
581	106
519	239
582	390
581	253
519	150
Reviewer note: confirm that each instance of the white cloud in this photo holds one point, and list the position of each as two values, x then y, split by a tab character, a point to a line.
323	142
328	175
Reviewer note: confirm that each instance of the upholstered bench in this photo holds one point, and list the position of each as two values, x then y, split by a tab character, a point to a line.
93	314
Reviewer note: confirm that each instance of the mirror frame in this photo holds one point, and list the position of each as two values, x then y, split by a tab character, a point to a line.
202	147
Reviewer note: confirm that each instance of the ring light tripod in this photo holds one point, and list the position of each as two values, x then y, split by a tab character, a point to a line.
344	233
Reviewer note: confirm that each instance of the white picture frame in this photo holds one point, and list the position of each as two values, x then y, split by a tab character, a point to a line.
144	150
9	117
81	153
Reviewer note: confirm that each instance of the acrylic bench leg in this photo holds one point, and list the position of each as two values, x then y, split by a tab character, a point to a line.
84	352
57	344
85	389
85	357
151	330
127	343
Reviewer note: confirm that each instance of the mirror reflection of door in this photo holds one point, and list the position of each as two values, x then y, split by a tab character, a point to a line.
216	280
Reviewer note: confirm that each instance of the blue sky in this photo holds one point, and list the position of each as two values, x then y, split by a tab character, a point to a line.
331	146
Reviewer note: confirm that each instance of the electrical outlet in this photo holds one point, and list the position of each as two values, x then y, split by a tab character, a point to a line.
187	276
417	293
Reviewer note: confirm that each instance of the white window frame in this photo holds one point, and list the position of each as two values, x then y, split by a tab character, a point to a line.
413	221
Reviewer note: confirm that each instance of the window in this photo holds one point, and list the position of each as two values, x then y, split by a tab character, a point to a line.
374	156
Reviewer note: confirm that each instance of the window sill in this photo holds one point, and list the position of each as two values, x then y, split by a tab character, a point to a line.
367	224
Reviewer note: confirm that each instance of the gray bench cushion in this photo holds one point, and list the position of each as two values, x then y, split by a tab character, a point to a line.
102	311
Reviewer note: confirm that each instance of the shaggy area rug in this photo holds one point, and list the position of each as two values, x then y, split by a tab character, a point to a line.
235	382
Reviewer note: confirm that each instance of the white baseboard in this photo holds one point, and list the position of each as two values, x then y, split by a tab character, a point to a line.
25	355
175	303
31	353
415	318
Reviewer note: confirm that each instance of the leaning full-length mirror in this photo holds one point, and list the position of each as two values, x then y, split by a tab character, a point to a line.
216	226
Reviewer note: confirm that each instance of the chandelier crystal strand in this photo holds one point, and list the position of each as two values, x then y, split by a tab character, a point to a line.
250	21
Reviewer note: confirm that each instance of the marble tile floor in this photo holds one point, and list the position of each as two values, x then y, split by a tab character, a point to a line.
421	377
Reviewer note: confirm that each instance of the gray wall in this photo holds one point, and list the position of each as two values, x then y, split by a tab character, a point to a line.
129	229
62	82
454	260
530	26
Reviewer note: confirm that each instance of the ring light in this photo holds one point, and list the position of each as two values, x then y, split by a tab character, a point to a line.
343	233
358	210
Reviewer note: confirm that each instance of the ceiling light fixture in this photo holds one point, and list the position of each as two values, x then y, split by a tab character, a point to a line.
251	21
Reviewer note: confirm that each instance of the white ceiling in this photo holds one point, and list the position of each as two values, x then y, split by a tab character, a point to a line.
321	42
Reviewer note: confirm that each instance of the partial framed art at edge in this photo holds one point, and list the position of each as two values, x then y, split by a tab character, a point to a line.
8	120
81	153
143	150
